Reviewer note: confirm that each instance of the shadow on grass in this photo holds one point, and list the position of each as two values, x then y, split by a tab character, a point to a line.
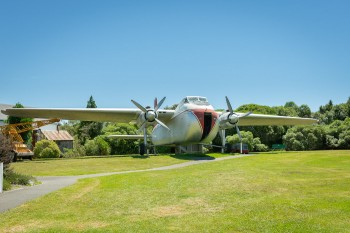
44	160
135	156
192	156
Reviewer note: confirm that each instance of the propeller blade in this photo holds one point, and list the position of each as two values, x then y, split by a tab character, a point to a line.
229	105
239	133
246	114
139	106
162	124
155	104
159	104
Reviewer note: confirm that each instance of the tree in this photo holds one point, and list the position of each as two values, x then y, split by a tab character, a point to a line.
304	111
326	108
89	129
121	146
330	112
172	107
91	103
305	138
291	104
6	154
254	144
283	111
340	112
344	134
348	106
97	146
26	136
70	126
78	150
255	108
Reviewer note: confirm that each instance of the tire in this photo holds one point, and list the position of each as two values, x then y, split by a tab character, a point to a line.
228	148
142	149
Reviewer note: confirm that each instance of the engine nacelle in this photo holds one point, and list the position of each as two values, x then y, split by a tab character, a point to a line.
228	120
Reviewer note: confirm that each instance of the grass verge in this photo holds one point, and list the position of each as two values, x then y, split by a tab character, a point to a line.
287	192
93	165
13	179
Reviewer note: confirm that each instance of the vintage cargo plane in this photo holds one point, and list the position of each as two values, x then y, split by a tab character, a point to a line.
194	121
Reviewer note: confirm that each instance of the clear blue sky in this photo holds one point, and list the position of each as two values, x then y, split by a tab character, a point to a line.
57	53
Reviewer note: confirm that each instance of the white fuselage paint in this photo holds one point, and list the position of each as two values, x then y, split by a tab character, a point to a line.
193	122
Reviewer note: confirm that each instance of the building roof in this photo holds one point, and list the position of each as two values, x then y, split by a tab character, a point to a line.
55	135
3	107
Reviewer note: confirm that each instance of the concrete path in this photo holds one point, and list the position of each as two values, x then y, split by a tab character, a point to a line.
14	198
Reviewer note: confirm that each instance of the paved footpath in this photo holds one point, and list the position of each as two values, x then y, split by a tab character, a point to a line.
14	198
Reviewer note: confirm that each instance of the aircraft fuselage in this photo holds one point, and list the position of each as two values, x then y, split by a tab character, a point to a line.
194	121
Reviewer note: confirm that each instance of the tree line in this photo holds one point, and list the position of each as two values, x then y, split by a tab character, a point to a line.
332	132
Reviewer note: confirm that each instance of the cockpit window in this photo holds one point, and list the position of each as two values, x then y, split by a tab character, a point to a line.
198	100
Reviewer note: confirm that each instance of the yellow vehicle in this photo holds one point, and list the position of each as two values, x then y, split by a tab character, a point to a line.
13	131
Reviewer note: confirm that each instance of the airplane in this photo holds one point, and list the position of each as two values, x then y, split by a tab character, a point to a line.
193	122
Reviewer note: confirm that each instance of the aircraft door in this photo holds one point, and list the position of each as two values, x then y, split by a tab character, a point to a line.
207	124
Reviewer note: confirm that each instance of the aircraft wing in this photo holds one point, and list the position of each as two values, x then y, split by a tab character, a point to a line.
121	115
260	119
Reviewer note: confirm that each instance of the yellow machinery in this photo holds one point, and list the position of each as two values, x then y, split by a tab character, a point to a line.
13	131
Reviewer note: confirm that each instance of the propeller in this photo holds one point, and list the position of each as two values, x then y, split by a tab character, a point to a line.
229	120
233	117
150	115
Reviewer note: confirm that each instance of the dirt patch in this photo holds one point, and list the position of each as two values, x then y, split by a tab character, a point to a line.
91	186
166	211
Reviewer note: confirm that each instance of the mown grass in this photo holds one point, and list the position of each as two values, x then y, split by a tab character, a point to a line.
277	192
94	165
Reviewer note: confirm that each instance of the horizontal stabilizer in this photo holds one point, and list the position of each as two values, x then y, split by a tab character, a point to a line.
126	136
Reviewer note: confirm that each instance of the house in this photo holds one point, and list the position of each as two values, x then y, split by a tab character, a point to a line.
62	138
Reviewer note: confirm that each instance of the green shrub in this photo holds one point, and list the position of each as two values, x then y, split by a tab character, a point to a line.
77	151
91	148
6	185
48	153
15	178
98	146
254	144
46	149
261	147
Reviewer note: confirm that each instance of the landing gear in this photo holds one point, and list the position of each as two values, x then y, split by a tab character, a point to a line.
228	148
142	148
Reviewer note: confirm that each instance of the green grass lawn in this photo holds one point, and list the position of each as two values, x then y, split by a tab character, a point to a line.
93	165
270	192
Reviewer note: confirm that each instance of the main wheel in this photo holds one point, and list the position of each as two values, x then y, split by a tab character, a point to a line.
142	148
228	148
